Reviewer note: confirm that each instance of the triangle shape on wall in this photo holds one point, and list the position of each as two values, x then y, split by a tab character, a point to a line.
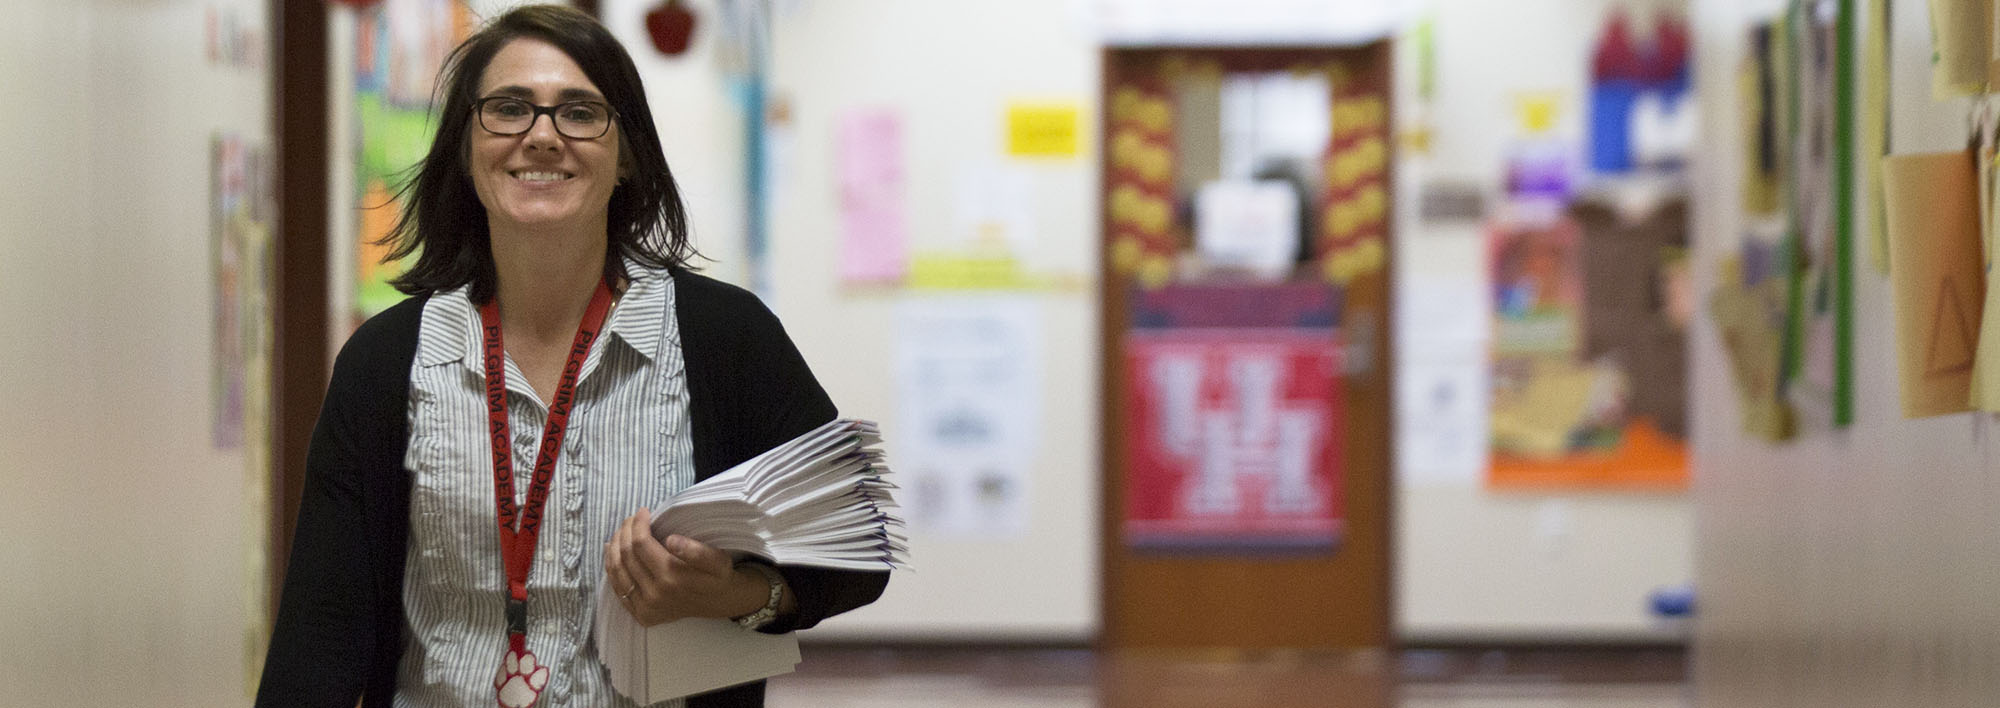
1952	340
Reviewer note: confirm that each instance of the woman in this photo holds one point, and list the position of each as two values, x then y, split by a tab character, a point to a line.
551	282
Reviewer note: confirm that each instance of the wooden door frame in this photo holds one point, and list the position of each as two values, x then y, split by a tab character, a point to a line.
1369	409
299	361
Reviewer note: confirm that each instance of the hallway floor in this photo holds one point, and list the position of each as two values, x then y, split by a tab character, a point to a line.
961	677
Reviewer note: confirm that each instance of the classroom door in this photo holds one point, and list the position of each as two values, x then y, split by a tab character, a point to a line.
1246	369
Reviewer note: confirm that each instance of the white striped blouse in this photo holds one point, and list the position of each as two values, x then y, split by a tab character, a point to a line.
629	446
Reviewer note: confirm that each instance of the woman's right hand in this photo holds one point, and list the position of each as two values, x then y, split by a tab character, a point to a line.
680	577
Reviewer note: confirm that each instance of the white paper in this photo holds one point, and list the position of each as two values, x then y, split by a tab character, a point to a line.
969	382
701	654
1441	421
1250	225
817	500
995	211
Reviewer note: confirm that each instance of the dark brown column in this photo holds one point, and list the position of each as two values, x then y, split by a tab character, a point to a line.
299	279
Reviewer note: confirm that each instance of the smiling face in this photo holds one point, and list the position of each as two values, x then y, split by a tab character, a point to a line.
541	180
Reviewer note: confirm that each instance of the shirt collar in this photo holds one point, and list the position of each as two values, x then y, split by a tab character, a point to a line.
450	329
640	320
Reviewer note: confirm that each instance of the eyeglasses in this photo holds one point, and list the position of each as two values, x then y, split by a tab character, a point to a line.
578	120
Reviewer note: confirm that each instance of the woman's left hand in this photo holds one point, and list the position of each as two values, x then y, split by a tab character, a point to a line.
662	582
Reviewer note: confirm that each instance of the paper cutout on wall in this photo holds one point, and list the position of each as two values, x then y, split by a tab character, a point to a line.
1873	138
874	235
1952	334
1043	130
1749	314
1935	270
1960	46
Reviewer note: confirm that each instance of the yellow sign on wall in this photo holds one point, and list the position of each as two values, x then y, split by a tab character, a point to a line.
1042	129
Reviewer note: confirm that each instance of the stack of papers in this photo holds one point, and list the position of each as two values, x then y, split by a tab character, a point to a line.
818	500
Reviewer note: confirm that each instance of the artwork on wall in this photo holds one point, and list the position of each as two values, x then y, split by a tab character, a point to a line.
1236	419
1959	46
1815	201
400	45
1748	309
241	209
1872	137
1587	356
230	40
1939	282
1140	196
1797	90
239	252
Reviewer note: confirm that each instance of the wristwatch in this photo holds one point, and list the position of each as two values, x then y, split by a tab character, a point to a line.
764	615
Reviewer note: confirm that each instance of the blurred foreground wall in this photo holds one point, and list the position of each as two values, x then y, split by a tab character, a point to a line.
133	525
1851	568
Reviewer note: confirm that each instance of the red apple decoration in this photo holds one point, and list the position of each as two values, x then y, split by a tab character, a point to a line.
672	26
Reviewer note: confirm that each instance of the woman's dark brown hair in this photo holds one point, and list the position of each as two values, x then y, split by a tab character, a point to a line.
443	222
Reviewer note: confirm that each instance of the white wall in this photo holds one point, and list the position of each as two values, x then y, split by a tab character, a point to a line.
949	69
1474	564
131	545
701	128
1853	568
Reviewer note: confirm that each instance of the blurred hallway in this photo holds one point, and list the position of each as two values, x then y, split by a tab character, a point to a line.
189	155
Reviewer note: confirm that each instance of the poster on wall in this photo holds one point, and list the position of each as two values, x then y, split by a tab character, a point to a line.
1794	374
239	244
1813	382
226	182
400	44
241	208
1587	370
1441	421
874	234
1234	419
969	383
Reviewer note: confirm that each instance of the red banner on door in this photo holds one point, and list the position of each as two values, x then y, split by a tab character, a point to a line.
1234	433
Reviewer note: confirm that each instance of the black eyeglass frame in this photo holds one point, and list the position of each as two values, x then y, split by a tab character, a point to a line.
536	112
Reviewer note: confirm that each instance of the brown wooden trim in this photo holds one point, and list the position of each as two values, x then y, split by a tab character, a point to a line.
1382	59
299	97
1110	425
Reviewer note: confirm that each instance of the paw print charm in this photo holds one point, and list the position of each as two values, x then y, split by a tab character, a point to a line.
520	681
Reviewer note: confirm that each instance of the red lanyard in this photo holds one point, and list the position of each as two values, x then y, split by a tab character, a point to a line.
517	547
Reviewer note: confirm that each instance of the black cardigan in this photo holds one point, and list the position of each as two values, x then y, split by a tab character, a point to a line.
338	636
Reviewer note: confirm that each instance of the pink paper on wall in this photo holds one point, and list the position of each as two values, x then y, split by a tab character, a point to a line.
874	236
